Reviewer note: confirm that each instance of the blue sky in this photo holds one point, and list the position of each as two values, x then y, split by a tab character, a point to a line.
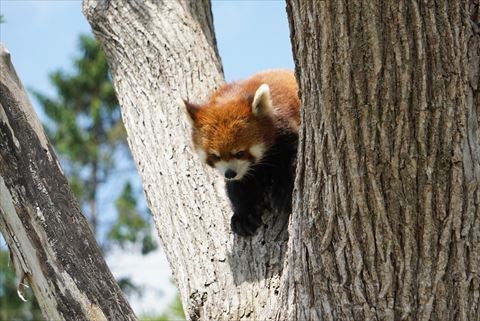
252	36
42	36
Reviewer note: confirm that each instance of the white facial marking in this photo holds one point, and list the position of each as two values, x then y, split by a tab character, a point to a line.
201	154
262	103
237	165
257	151
214	152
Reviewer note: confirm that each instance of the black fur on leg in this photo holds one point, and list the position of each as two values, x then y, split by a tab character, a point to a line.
272	177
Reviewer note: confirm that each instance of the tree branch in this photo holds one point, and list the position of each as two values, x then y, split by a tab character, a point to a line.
160	52
50	241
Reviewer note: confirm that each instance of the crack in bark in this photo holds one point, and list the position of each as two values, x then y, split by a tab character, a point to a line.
395	105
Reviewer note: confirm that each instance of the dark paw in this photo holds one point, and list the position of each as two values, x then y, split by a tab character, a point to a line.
245	225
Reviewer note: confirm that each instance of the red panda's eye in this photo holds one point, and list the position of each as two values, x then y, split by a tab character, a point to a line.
214	158
240	154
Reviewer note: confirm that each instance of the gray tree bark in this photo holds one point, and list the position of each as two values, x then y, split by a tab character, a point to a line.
50	241
386	214
386	222
160	52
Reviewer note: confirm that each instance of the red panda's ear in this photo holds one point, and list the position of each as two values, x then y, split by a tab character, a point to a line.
190	110
262	102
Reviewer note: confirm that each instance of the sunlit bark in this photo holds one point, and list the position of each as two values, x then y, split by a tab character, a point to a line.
160	52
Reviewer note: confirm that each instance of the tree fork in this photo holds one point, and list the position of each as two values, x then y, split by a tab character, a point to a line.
160	52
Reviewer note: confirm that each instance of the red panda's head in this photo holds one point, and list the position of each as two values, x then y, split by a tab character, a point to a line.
233	130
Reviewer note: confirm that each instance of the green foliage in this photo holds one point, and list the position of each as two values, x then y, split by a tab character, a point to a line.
85	126
11	307
131	226
128	287
174	312
84	122
176	309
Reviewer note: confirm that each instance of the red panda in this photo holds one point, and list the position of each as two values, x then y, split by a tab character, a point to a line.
248	130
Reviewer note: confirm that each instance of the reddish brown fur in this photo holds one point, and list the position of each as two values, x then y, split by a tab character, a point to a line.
225	123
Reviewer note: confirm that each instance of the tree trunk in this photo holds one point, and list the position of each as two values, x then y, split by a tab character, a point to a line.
51	244
160	52
386	222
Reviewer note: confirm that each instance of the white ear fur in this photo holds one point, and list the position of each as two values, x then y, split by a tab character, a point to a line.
262	102
183	107
201	154
188	109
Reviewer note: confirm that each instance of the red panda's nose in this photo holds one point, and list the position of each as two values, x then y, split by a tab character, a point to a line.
230	174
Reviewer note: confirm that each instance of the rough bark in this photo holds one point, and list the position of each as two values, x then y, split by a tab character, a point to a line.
51	244
160	52
386	222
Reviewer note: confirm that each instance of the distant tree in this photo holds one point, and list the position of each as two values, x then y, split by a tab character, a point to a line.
85	126
51	247
2	19
174	311
130	225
